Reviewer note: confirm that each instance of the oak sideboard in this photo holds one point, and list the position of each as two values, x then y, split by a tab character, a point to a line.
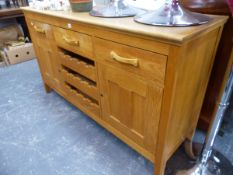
144	84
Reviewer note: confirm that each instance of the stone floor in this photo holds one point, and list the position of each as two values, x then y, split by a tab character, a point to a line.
43	134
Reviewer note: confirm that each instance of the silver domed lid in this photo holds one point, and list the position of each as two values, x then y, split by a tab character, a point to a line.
172	14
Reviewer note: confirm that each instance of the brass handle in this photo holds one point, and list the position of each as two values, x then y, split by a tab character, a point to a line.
39	29
70	41
131	61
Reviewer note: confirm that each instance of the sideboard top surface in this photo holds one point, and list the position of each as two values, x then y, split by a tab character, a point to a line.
171	34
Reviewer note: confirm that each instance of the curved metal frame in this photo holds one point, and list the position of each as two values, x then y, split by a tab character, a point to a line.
204	167
172	14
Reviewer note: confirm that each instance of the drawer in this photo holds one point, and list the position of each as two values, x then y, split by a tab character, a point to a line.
81	101
82	84
76	42
79	66
40	29
145	63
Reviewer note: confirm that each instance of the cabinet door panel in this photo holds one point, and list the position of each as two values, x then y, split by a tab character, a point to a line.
45	57
43	41
131	105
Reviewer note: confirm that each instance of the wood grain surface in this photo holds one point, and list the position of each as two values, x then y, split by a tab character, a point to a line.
153	105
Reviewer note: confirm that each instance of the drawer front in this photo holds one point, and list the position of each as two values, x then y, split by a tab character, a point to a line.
74	41
79	66
40	29
145	63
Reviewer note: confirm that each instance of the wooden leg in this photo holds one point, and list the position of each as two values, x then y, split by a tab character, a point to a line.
159	167
47	88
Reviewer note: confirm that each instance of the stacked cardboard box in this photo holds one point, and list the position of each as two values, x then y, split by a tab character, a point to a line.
14	48
18	54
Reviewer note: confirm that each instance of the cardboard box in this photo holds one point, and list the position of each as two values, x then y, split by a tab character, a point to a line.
3	59
19	54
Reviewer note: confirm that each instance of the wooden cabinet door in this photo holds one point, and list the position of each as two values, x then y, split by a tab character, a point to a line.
130	104
46	52
45	59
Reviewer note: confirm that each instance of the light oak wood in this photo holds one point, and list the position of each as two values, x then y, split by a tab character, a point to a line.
130	104
42	36
81	100
81	84
149	64
79	66
120	59
76	42
189	81
223	61
39	29
178	34
144	87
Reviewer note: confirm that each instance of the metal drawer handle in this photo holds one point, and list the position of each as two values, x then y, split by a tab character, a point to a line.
39	29
70	41
131	61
